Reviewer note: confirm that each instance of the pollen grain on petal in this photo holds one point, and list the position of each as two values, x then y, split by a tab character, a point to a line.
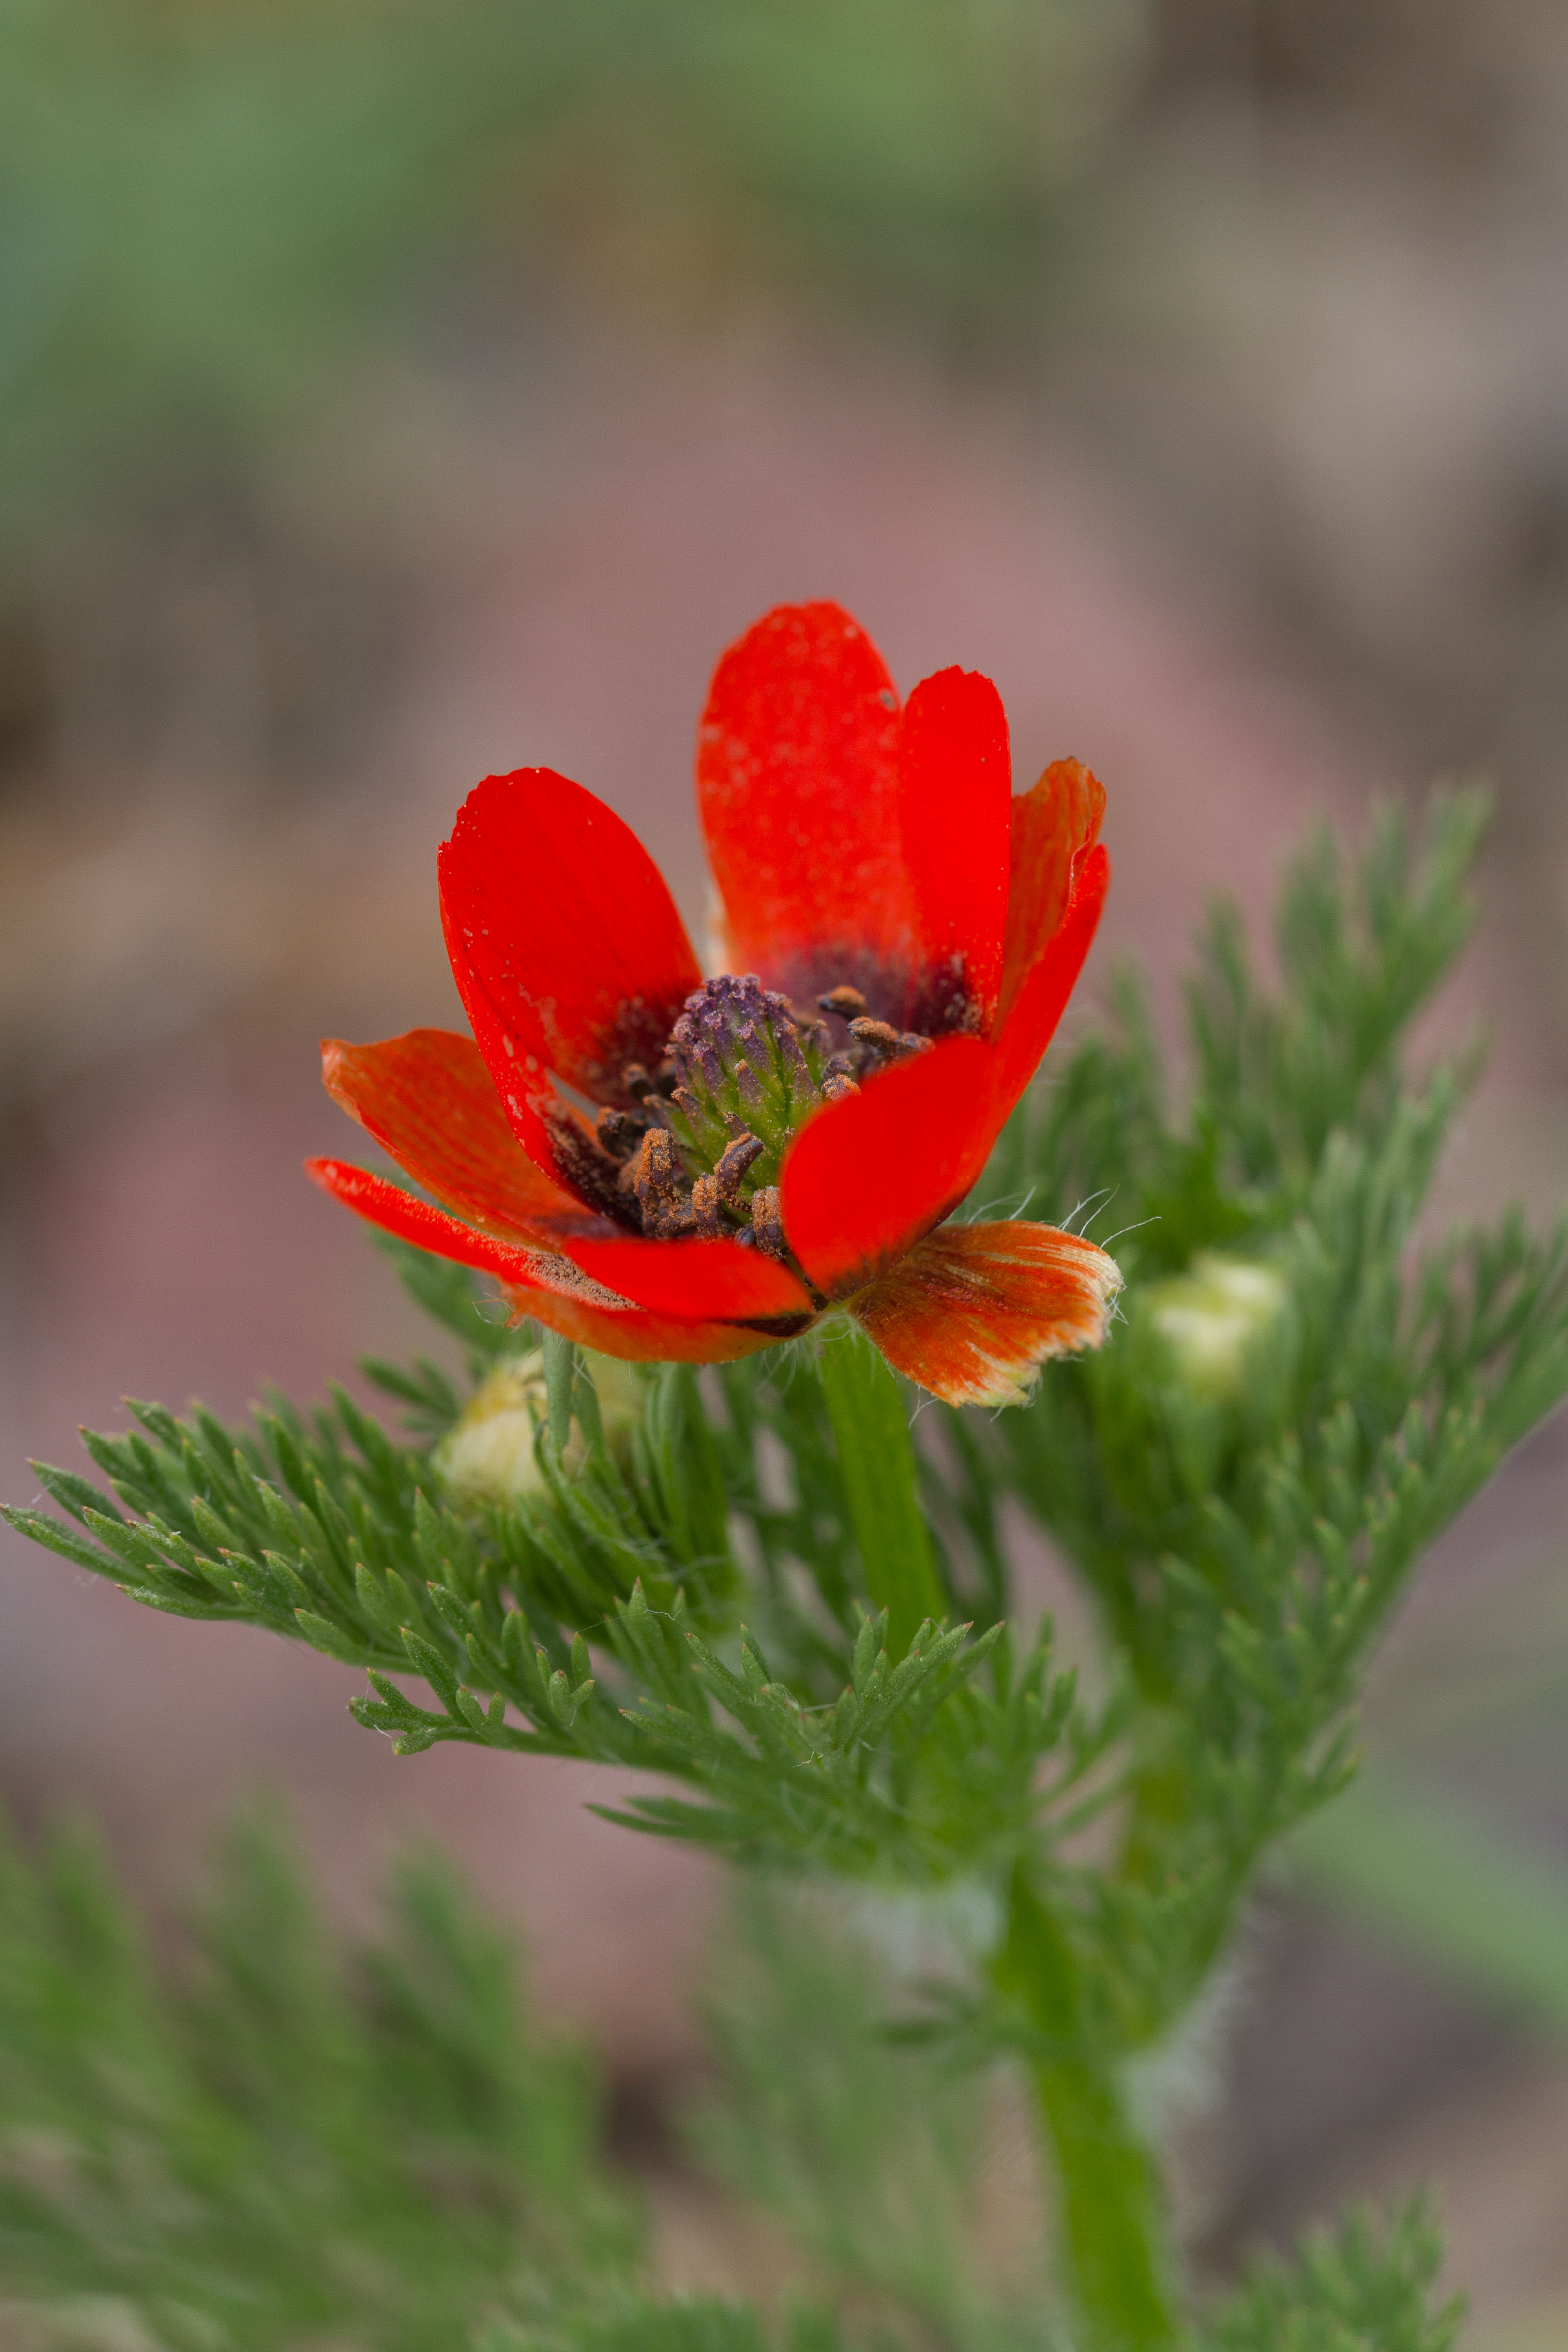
973	1311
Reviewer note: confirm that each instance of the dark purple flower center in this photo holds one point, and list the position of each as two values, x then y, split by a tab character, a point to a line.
701	1150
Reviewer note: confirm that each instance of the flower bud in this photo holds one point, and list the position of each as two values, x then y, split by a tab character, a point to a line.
1216	1319
489	1455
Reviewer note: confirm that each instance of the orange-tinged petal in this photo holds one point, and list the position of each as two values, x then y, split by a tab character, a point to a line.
1050	825
420	1222
637	1337
566	943
955	787
972	1311
428	1099
866	1176
537	1283
797	781
699	1280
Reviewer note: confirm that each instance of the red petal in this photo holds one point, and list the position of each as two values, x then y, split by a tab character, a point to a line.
798	781
695	1278
955	789
1050	825
1027	1028
427	1098
566	943
412	1219
974	1310
865	1177
536	1282
637	1337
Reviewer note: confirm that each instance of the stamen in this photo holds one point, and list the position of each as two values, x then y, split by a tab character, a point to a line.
672	1223
767	1223
686	1103
731	1166
590	1171
657	1178
616	1131
637	1082
837	1088
846	1002
705	1207
880	1035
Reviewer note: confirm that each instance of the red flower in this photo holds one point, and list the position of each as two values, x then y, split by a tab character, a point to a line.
758	1150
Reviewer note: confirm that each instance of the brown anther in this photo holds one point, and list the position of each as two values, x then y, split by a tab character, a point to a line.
880	1036
657	1185
616	1131
767	1222
731	1166
847	1002
637	1081
837	1088
840	1065
588	1170
705	1207
672	1221
685	1100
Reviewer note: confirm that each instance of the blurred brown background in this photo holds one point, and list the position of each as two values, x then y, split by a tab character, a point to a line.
391	394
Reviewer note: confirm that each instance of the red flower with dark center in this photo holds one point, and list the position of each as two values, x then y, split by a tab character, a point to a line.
664	1167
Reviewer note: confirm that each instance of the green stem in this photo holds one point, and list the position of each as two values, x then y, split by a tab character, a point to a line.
1161	1803
1110	2218
559	1374
876	1464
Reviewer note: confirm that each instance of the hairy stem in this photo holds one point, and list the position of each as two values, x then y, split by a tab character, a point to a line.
1112	2238
559	1374
876	1464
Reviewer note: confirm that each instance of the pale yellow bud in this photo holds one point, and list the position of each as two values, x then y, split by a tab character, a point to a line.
489	1454
1215	1316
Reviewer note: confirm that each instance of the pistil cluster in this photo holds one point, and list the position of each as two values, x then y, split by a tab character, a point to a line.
699	1151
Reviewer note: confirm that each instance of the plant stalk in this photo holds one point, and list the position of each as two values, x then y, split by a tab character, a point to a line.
1113	2240
876	1464
560	1376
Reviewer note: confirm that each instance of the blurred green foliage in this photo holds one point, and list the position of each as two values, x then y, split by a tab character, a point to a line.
279	2139
271	2140
205	213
